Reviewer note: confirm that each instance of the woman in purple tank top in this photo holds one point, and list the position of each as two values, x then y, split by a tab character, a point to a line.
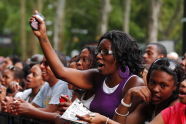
118	57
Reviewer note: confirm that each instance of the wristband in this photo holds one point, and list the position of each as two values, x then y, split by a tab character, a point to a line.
125	104
123	115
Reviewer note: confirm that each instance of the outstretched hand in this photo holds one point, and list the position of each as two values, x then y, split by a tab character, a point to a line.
41	32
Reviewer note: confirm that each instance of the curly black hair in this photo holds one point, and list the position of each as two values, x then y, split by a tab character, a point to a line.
125	50
172	67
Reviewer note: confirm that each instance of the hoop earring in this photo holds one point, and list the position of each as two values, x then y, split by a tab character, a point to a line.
124	74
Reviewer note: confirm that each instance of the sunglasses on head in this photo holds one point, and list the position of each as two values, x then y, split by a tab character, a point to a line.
11	67
166	62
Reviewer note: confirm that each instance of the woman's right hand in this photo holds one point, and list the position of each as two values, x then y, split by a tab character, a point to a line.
142	92
41	32
63	106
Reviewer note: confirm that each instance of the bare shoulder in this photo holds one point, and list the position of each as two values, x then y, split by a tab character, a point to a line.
135	81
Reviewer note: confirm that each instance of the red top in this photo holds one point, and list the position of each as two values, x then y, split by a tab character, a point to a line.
175	114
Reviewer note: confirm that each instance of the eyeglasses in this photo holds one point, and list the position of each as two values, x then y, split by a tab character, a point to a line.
103	52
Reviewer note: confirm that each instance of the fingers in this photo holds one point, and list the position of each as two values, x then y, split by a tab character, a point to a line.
146	94
63	106
142	92
86	118
64	98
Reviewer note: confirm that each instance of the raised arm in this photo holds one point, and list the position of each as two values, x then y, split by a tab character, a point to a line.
79	78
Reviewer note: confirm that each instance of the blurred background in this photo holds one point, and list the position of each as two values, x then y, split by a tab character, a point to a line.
73	23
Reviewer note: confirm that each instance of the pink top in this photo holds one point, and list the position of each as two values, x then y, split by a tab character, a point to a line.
175	114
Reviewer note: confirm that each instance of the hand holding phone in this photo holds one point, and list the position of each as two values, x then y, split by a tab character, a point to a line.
35	24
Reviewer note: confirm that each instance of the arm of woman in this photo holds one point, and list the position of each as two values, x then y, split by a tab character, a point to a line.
97	119
123	113
79	78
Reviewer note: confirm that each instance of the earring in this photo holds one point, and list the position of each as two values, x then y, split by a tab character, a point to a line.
124	74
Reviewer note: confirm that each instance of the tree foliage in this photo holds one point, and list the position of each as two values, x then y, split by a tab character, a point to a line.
82	19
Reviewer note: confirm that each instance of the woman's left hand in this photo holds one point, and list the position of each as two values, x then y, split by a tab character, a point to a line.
93	118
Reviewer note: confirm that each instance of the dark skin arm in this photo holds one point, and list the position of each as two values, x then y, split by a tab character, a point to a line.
98	119
135	115
49	108
28	109
85	78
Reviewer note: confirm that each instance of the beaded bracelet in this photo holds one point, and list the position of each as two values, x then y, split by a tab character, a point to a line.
125	104
123	115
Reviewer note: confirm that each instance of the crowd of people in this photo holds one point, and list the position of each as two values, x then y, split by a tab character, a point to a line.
115	80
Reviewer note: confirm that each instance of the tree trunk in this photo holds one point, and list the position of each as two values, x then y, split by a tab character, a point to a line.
23	30
174	19
126	15
105	10
152	33
59	24
40	5
184	29
34	40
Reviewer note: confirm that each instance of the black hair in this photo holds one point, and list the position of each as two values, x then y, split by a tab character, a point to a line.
18	73
92	50
161	48
125	50
15	59
172	67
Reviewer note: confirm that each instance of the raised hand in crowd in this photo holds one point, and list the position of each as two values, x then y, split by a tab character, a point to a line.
41	32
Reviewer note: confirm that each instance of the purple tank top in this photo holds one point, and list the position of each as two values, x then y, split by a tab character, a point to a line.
106	104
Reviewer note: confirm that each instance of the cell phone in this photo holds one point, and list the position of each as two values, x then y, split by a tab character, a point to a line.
35	24
61	99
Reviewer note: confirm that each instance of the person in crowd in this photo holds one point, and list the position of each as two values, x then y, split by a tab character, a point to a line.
12	77
86	60
73	62
34	82
163	78
174	114
51	91
12	60
183	62
152	52
44	105
119	62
